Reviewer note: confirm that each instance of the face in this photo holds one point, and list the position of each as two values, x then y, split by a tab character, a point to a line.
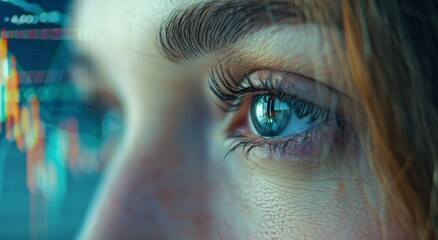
239	124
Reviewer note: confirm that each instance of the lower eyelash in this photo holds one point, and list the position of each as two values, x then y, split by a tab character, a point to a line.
295	145
273	145
241	141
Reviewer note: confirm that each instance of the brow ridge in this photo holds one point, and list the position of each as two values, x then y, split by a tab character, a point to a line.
205	28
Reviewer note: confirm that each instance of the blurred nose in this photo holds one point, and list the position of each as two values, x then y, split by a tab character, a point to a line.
160	187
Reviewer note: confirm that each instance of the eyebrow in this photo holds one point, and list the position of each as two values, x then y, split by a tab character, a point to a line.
205	28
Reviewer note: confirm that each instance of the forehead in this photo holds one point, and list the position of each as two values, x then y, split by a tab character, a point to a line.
124	33
119	21
113	23
109	32
123	24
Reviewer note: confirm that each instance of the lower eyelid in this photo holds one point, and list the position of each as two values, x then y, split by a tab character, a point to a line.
307	144
311	144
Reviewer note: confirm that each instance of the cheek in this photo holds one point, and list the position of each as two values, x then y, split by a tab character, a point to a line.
155	197
345	204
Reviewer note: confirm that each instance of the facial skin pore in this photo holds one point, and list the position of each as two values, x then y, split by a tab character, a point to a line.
169	178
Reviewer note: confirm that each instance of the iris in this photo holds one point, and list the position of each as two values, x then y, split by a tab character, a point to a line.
278	115
270	114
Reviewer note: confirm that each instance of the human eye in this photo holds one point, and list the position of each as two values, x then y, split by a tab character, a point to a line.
279	115
276	116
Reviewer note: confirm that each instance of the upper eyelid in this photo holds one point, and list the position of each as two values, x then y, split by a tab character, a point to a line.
343	105
192	32
232	78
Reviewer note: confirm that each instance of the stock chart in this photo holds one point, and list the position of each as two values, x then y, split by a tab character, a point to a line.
52	142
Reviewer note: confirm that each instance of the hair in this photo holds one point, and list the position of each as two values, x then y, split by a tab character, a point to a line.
391	48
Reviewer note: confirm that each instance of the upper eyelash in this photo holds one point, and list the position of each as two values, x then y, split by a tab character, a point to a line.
234	92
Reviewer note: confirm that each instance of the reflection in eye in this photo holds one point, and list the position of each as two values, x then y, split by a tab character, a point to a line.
279	112
279	116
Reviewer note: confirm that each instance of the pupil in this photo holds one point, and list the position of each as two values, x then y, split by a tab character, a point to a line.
269	115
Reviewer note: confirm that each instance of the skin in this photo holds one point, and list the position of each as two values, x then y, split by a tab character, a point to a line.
168	178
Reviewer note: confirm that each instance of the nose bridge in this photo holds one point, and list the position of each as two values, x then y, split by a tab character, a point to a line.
182	136
162	191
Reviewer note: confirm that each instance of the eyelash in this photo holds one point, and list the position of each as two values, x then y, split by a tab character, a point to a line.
232	94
